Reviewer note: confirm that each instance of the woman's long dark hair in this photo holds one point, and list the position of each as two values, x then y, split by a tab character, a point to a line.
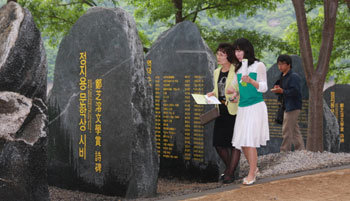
248	49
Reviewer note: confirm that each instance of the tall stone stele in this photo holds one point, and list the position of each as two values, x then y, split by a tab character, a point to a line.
23	119
101	117
179	64
337	97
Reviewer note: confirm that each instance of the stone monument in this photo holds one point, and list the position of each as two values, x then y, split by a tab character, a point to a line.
101	111
338	99
331	135
23	119
180	64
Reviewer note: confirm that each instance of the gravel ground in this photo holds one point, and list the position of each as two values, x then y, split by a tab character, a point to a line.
269	165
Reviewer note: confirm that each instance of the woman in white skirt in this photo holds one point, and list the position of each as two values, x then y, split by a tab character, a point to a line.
252	126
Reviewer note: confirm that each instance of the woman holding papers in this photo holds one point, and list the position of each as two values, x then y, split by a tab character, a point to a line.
251	127
224	76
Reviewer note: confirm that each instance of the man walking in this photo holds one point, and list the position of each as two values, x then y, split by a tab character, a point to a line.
288	86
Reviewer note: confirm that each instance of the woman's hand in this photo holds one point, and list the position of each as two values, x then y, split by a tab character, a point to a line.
230	90
210	94
251	81
235	97
246	79
235	100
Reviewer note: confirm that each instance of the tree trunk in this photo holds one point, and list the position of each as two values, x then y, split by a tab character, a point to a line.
178	15
315	78
314	141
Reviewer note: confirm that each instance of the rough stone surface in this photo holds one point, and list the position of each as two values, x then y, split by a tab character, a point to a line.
331	138
338	100
179	64
115	61
23	174
14	110
23	119
22	54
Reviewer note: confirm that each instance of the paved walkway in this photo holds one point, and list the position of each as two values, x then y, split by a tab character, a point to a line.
331	184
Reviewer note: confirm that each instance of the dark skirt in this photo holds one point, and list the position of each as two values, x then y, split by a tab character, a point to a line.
223	128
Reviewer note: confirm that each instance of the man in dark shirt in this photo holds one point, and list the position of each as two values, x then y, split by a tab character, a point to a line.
290	90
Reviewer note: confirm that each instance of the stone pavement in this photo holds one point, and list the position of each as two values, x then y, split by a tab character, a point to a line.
322	184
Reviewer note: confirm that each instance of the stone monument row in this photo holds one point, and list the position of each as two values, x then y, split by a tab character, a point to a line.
101	109
179	64
23	111
330	129
338	99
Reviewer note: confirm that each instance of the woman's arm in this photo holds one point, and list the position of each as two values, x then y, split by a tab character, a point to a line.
262	78
261	81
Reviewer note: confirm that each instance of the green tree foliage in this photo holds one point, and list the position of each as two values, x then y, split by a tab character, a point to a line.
340	57
51	53
219	20
265	23
262	42
224	20
167	11
54	18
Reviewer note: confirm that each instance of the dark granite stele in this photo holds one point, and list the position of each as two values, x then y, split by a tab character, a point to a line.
338	99
179	64
118	156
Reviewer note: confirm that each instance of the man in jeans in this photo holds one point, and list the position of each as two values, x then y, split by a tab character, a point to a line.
288	86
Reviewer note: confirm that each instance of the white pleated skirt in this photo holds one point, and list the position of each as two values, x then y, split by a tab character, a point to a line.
251	127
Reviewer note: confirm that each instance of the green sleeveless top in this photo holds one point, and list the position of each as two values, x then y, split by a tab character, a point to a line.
249	95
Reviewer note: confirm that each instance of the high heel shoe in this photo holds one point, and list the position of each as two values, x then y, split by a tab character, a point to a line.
251	182
247	182
228	179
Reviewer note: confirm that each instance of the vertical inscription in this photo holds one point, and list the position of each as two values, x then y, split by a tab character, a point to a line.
303	118
157	112
82	106
332	102
98	125
90	129
341	123
338	111
169	115
198	130
194	131
273	105
149	72
187	118
89	106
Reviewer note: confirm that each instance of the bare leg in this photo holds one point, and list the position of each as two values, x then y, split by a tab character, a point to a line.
252	156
